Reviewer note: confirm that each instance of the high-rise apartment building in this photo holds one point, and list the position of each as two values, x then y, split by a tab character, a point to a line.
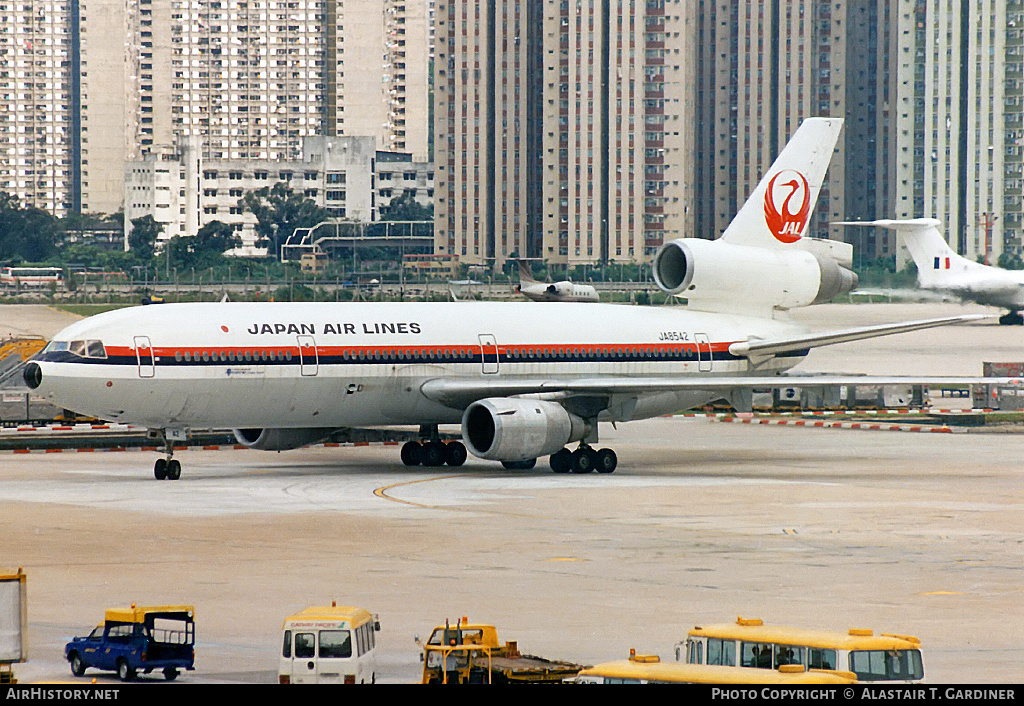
931	93
762	67
87	86
561	129
960	130
253	77
38	116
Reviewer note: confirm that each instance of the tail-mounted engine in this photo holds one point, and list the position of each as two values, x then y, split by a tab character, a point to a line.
506	429
719	276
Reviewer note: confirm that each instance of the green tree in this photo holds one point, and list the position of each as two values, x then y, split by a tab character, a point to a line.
206	248
142	239
26	233
405	208
1010	261
279	211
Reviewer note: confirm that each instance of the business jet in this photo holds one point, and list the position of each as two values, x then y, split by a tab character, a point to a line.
524	381
564	291
941	270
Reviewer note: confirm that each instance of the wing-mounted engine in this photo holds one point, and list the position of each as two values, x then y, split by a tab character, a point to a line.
519	429
281	439
714	275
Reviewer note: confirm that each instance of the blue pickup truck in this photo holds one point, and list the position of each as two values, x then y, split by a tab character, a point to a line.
133	640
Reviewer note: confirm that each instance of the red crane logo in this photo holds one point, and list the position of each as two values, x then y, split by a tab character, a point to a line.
784	221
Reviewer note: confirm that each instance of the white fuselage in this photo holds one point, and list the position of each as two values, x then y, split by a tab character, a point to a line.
990	286
563	291
240	365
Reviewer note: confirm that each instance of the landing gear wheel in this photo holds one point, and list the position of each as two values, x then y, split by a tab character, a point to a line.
606	461
561	461
77	665
455	453
173	470
520	465
583	460
124	670
433	454
1013	318
170	674
411	453
160	468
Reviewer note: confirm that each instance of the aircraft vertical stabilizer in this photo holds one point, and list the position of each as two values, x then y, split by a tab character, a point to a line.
937	263
777	212
761	264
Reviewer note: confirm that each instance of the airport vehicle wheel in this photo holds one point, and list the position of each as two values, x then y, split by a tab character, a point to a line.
520	465
173	470
606	461
583	461
160	468
433	454
561	461
77	665
170	674
411	452
124	670
455	453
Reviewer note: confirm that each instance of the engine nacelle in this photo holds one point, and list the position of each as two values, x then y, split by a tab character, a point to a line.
281	439
728	277
505	429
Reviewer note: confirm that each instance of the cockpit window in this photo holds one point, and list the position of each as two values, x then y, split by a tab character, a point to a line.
55	346
88	349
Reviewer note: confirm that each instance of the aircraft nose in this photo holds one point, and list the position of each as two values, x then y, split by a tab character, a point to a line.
33	375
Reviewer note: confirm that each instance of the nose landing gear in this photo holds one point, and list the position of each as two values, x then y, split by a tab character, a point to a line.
167	468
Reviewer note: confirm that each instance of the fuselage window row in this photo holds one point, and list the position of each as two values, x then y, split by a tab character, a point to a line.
512	355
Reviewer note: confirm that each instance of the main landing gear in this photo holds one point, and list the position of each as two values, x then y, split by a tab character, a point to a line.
584	460
1012	318
432	451
167	468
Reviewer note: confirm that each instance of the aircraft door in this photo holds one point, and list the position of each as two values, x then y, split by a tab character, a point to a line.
144	354
308	360
703	352
488	353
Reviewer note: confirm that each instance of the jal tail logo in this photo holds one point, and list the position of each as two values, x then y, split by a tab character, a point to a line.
787	203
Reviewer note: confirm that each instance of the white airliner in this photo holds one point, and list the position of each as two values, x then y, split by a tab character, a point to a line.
564	291
940	269
524	381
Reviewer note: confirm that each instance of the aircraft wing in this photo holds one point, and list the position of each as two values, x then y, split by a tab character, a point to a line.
459	393
758	350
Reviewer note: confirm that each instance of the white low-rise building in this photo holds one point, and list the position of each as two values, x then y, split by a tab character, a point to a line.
346	176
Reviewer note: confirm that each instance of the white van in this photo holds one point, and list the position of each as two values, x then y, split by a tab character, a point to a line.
329	645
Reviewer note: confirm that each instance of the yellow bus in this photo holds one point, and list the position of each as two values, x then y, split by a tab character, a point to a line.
329	645
649	669
752	644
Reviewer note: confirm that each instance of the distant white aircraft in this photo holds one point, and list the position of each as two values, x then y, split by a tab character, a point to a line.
564	291
940	269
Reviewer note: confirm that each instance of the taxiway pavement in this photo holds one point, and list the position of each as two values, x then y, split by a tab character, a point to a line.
911	533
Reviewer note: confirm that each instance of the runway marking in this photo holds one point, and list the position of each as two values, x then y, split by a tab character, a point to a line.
870	426
382	492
